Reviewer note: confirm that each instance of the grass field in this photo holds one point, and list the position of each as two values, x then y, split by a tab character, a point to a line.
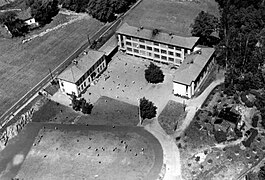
106	111
171	116
170	15
71	152
24	65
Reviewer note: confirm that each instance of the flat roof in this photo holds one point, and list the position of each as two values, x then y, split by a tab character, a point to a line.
75	71
144	33
174	16
110	45
191	67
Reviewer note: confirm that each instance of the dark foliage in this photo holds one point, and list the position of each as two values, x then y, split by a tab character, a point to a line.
255	120
245	99
43	12
100	9
82	105
261	174
147	109
248	142
153	74
204	25
16	26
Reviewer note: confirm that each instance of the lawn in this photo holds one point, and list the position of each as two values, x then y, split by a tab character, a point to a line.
23	65
171	116
82	152
170	15
106	111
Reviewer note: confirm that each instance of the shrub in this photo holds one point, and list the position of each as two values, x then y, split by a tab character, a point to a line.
245	99
147	109
153	74
255	121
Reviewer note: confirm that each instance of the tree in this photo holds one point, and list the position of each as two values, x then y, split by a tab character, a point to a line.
16	26
204	25
261	174
153	74
44	11
101	10
147	109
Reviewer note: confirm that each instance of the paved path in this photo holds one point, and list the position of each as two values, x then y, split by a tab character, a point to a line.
170	151
194	104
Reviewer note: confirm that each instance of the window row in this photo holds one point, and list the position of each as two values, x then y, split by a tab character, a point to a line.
92	69
150	42
155	49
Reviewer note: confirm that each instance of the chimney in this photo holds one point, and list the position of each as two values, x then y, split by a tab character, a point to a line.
141	27
75	62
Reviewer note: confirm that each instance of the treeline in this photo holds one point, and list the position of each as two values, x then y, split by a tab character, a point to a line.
42	11
103	10
242	46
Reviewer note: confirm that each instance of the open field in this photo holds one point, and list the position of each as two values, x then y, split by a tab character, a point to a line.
82	152
169	15
171	116
106	111
24	65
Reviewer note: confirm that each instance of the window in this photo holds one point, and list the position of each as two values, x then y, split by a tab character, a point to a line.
163	51
157	56
156	50
178	48
136	50
142	52
62	84
149	54
141	40
178	54
135	44
142	46
127	37
156	44
85	84
128	43
134	39
149	48
170	47
164	57
129	49
170	53
171	59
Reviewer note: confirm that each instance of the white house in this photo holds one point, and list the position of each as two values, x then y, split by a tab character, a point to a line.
82	72
189	76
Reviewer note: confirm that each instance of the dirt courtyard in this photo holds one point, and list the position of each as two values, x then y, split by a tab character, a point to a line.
92	152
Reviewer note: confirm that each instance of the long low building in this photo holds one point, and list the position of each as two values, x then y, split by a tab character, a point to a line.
82	72
189	76
155	45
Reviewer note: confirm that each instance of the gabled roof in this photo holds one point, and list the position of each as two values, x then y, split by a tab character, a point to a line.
162	37
75	71
193	64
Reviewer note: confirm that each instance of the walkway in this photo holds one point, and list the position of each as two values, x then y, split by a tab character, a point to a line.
170	151
194	104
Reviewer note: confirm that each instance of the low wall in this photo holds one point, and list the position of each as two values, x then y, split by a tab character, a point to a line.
12	130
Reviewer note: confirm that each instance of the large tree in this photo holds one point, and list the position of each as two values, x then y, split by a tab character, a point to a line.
204	25
153	74
147	109
44	11
17	27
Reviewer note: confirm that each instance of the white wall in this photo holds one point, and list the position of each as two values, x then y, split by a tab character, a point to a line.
181	89
68	87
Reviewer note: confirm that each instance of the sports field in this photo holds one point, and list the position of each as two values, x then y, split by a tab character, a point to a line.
88	152
23	65
170	15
